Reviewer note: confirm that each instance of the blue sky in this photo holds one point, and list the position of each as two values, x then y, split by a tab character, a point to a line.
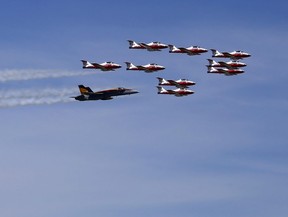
220	152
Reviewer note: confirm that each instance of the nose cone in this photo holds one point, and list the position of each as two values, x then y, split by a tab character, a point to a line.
191	92
131	91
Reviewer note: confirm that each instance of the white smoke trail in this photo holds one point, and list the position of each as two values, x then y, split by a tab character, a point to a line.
29	74
13	98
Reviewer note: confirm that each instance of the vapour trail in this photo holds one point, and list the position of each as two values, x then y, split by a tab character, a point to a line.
13	98
29	74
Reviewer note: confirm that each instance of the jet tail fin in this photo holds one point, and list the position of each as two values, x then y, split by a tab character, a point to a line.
84	90
162	81
86	64
132	43
130	65
212	69
212	62
172	48
216	53
161	90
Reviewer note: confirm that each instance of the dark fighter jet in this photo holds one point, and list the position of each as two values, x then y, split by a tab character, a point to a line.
88	94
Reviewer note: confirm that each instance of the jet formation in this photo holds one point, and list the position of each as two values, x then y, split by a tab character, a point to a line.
181	86
232	55
232	67
180	83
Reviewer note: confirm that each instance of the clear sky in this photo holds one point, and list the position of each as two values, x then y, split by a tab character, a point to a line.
220	152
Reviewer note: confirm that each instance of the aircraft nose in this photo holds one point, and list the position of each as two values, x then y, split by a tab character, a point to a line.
131	91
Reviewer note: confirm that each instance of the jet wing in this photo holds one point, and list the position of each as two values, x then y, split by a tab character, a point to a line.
152	49
189	52
101	67
108	94
96	95
100	95
223	71
177	84
230	74
227	65
149	47
106	98
231	56
172	92
178	94
227	54
142	68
